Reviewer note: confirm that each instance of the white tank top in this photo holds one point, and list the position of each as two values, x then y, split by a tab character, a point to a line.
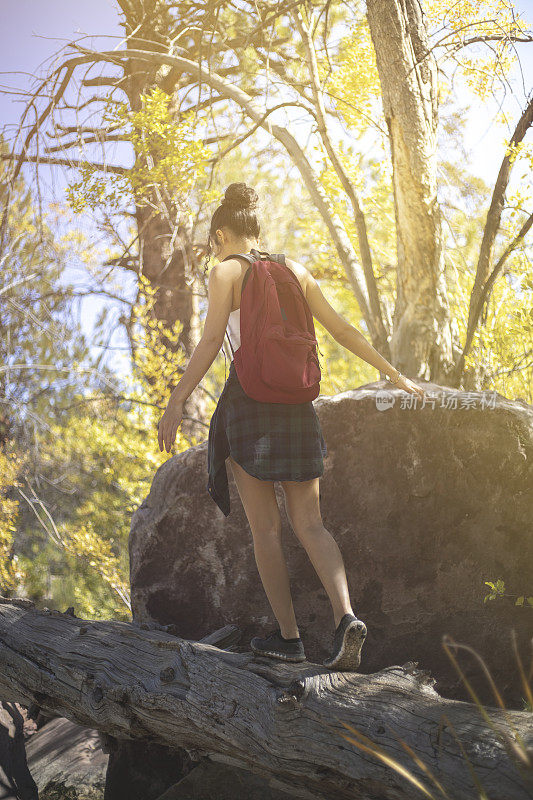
234	328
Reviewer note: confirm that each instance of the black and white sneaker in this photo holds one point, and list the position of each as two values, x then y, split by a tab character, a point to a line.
347	643
275	646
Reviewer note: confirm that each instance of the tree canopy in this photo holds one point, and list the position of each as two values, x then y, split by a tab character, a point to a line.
350	120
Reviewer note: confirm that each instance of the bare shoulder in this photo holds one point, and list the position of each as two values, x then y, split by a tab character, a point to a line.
301	272
227	270
224	274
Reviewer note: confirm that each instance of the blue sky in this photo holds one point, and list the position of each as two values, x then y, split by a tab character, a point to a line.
32	30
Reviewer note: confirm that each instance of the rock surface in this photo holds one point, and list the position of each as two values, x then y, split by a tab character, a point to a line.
212	781
67	761
426	502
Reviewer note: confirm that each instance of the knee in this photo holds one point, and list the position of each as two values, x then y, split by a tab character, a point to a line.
306	527
267	530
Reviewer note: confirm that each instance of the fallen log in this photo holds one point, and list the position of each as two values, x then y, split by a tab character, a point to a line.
281	721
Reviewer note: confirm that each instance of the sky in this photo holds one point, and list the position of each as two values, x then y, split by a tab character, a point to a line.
33	30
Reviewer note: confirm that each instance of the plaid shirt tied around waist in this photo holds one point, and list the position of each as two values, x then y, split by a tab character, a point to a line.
271	441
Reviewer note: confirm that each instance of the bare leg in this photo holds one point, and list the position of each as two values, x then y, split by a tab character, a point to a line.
303	509
261	508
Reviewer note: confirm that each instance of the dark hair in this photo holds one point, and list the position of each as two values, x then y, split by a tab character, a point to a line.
237	211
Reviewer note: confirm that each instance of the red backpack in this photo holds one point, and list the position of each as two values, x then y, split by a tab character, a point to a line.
277	360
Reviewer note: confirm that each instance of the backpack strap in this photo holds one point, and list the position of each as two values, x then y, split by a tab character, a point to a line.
257	255
279	257
247	256
230	344
253	256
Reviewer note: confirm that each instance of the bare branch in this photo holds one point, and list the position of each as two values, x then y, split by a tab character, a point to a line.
66	162
105	81
79	129
487	288
492	226
25	279
377	330
100	139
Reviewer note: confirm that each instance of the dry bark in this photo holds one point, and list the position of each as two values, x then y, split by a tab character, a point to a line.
422	340
278	720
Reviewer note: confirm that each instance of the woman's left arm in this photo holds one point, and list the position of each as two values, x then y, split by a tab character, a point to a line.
360	346
220	297
351	338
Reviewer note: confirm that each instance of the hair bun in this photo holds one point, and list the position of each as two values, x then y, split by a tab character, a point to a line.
239	195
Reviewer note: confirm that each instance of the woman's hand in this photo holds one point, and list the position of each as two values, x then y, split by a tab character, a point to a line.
410	386
169	424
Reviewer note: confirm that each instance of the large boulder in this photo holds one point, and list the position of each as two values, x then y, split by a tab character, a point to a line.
427	501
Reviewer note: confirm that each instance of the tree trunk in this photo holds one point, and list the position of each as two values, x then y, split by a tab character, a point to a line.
424	343
166	254
282	721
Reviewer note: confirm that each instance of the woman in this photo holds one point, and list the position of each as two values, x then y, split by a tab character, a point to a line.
254	438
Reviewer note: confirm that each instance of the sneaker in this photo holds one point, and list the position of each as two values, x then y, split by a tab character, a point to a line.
347	643
276	646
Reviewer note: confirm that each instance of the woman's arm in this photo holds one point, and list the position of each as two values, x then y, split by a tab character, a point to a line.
220	299
351	338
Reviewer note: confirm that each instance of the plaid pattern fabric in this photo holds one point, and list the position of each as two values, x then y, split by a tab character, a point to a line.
271	441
